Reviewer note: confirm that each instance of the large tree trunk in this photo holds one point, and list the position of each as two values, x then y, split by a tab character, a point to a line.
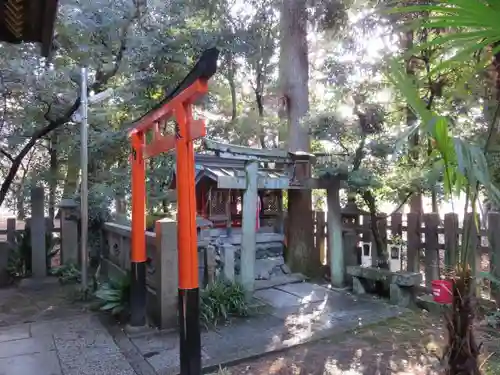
416	205
294	78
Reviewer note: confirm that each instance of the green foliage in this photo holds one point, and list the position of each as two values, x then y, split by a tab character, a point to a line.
19	261
220	301
462	162
67	273
492	367
114	295
472	27
463	165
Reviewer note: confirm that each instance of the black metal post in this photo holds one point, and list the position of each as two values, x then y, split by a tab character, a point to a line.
138	294
190	341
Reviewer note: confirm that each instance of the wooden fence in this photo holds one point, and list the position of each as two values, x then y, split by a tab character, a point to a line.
430	244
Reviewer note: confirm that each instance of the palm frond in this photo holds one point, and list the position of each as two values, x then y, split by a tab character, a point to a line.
471	26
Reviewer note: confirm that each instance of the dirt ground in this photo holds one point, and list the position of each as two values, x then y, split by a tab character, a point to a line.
409	345
38	302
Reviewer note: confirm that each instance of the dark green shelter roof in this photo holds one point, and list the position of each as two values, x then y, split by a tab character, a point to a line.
28	21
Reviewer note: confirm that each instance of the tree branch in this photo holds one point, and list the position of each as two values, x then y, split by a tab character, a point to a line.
7	155
102	79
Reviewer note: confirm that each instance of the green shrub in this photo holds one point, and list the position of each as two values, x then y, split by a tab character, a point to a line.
19	262
67	274
114	296
220	301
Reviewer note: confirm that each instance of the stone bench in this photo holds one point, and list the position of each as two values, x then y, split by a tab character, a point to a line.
402	285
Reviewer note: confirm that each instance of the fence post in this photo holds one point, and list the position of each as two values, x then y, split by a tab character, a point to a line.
37	228
451	235
431	254
382	230
397	225
350	255
494	242
367	236
397	231
11	231
414	242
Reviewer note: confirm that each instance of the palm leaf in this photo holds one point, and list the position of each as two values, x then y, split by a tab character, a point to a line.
475	27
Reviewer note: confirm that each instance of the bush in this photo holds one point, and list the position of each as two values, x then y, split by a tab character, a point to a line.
114	296
220	301
67	274
19	262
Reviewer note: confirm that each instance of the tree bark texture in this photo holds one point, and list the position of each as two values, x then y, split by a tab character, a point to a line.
294	79
416	204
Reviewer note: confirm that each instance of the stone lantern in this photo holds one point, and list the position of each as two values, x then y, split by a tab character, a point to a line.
350	214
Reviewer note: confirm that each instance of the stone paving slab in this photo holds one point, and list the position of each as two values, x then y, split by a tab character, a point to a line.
26	346
80	344
161	351
278	298
301	313
14	333
77	346
243	336
115	364
36	364
306	291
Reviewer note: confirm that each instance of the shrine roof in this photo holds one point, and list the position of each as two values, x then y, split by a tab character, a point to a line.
216	167
28	21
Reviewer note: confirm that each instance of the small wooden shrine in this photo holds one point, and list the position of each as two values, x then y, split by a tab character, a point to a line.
236	185
221	182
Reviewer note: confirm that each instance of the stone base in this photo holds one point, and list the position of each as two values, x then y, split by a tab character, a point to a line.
133	331
38	283
358	286
401	284
401	296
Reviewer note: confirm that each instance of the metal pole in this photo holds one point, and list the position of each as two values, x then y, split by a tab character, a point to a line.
84	183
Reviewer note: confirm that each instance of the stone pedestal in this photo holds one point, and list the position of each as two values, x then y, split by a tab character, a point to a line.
166	272
357	286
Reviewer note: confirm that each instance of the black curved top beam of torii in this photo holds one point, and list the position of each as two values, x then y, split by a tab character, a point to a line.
205	68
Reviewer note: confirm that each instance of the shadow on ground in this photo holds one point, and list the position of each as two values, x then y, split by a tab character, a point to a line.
408	345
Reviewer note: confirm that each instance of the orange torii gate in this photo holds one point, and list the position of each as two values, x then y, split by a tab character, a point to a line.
187	129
